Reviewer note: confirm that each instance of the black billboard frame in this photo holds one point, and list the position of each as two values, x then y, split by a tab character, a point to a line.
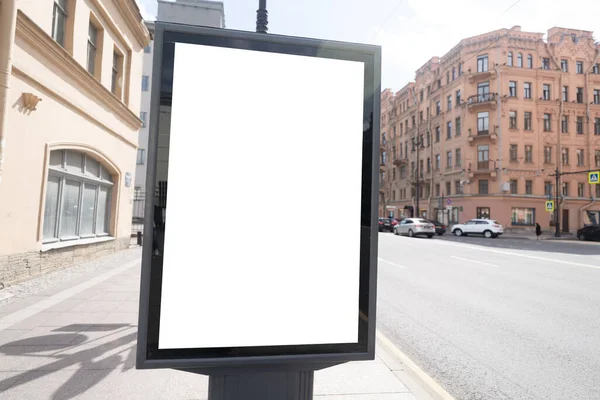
274	358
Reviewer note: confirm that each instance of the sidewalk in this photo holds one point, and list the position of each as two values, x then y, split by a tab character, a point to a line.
74	338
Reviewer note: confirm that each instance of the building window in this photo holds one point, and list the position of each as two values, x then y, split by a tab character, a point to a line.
527	121
597	126
510	59
597	159
579	125
394	173
59	21
482	64
597	191
403	172
547	122
437	162
483	157
78	197
141	153
448	188
144	118
512	119
548	189
564	124
565	156
528	153
547	155
520	60
437	190
449	159
580	190
565	189
580	67
449	130
546	91
596	70
527	90
449	103
428	164
513	152
447	77
459	68
513	186
596	96
580	95
529	61
148	49
92	46
145	83
438	108
512	89
565	93
458	158
545	63
528	187
564	65
482	212
523	216
580	159
458	97
483	123
117	74
437	133
457	127
453	73
457	187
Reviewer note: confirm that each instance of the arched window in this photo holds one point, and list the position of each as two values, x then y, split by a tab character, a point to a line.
520	60
510	59
529	61
78	197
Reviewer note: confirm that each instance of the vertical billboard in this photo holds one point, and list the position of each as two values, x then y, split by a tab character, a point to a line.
261	233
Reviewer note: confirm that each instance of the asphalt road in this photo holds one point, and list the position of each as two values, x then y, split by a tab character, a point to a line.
495	318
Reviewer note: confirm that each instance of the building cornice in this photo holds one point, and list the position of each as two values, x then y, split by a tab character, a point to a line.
131	13
55	54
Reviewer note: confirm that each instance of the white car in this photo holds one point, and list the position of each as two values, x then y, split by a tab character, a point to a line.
415	227
486	227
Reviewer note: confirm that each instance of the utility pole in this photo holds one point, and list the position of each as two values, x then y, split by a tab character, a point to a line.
556	203
262	17
417	143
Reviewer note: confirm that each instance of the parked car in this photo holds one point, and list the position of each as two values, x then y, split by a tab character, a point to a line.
486	227
415	227
440	228
387	224
590	232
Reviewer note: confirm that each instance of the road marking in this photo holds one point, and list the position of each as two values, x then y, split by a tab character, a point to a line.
490	250
475	261
404	359
391	263
56	298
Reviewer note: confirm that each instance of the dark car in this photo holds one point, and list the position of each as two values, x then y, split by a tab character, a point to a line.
590	232
387	224
440	228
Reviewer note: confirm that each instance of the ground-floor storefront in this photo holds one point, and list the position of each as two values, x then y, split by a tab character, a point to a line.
515	213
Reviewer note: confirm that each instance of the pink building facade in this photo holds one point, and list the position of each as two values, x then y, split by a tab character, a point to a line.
497	116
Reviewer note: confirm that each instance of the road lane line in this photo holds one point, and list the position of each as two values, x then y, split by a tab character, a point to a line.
410	364
391	263
490	250
475	261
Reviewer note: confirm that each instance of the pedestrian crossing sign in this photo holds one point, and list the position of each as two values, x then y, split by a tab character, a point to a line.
594	177
550	205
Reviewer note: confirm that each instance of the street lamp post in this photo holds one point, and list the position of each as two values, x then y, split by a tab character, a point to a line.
262	17
556	204
417	144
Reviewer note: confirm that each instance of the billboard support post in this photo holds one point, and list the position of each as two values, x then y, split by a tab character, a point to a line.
260	328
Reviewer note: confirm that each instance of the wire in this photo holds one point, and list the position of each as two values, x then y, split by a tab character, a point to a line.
508	9
390	16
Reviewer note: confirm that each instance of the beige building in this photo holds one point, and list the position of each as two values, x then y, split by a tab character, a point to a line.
497	115
70	85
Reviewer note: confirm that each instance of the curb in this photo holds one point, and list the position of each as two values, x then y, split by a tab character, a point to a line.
422	383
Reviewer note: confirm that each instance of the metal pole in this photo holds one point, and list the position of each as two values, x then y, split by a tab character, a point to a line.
262	17
556	205
418	180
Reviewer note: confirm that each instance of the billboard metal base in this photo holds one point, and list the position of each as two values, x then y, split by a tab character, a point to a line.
284	385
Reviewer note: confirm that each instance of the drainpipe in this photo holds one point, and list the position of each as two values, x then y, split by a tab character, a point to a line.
8	22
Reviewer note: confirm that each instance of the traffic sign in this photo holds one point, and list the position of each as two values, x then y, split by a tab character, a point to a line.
550	205
594	177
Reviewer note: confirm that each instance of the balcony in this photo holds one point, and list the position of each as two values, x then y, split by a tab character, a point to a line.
480	76
483	136
382	167
481	101
487	167
400	161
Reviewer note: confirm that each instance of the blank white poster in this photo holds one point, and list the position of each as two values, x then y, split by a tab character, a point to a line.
264	200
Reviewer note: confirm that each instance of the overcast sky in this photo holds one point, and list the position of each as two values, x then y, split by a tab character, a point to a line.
409	31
